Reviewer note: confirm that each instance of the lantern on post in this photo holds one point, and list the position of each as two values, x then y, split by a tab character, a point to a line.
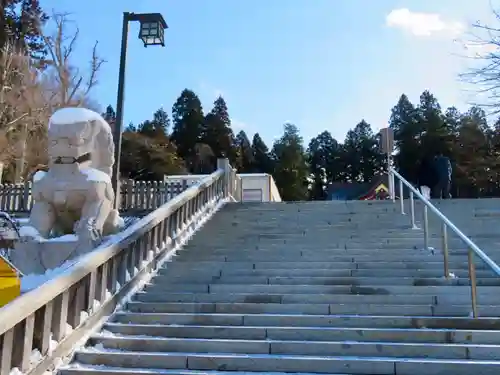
152	29
152	33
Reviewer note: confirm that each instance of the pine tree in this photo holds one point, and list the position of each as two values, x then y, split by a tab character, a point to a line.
323	152
290	171
21	24
362	156
262	160
435	136
157	127
407	133
217	130
245	159
188	120
110	116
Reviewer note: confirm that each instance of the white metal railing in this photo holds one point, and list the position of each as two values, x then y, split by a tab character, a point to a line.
446	224
54	317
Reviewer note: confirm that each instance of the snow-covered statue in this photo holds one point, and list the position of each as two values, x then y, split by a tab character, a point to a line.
75	196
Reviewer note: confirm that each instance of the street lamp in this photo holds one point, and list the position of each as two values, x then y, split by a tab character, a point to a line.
151	32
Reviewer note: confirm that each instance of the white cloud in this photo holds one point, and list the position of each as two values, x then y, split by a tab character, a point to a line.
423	24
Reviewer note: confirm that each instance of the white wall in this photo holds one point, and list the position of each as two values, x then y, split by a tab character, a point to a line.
256	187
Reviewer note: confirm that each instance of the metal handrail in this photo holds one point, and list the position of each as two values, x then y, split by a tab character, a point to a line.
446	223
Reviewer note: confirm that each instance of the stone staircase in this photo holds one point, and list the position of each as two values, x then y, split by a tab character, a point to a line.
316	287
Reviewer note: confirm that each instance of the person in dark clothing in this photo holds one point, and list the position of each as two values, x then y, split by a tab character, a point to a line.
427	174
443	168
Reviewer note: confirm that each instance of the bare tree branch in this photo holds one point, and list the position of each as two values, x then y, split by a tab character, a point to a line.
68	86
483	49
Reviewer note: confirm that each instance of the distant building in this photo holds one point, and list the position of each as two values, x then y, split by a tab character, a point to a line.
378	189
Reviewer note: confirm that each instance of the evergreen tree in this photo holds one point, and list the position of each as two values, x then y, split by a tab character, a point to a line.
188	120
290	171
245	158
362	157
110	116
474	160
262	160
435	134
407	133
21	24
157	127
217	131
322	153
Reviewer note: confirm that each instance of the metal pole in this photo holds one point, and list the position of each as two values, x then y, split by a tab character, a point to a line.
391	178
445	251
473	283
117	136
401	200
412	210
426	228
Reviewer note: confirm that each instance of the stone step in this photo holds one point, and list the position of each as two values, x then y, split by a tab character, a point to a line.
309	348
411	299
173	271
318	289
249	257
306	333
373	264
311	281
313	309
289	320
287	363
95	370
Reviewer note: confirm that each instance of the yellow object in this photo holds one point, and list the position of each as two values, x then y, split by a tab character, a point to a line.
381	187
10	283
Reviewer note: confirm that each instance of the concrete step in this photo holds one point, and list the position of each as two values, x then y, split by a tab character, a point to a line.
287	363
311	281
373	264
410	335
451	310
289	320
354	299
288	347
173	271
93	370
318	289
249	257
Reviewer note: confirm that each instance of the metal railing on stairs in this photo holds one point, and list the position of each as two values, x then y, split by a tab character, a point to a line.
446	224
44	325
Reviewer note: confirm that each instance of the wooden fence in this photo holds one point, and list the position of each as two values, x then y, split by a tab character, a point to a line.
135	195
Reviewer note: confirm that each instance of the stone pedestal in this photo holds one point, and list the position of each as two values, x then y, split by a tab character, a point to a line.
38	256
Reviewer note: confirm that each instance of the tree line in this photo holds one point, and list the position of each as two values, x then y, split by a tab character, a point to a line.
40	76
190	141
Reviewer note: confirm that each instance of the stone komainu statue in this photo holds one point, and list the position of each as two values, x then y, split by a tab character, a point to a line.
75	195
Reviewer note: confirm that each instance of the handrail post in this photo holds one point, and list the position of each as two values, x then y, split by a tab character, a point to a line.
445	251
401	198
426	228
473	282
223	163
392	188
412	210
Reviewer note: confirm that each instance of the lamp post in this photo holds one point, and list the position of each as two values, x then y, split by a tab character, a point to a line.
152	28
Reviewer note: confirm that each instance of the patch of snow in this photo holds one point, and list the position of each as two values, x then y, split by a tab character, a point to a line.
39	175
96	175
32	281
66	116
29	231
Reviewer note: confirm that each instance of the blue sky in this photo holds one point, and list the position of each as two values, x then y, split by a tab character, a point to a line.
321	64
